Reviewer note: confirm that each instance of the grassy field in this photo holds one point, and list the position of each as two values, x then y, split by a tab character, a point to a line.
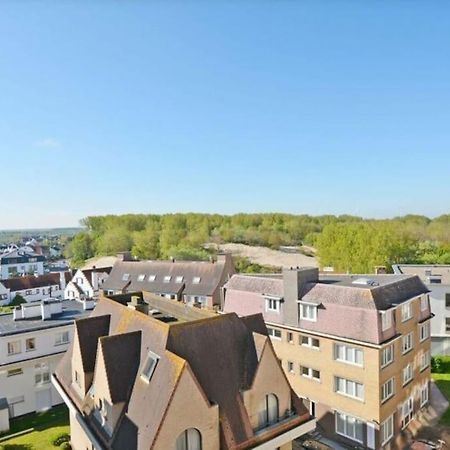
47	424
442	379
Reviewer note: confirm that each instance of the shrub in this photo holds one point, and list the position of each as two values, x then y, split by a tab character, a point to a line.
65	446
18	300
436	364
58	439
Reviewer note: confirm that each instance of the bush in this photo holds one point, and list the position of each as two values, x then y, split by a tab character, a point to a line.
18	300
65	446
60	438
436	364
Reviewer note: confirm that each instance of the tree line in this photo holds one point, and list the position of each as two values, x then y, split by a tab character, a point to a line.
348	243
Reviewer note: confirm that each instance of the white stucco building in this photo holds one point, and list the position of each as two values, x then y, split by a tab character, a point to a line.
86	283
32	341
14	262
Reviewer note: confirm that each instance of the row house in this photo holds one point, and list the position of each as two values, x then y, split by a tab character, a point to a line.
15	262
357	348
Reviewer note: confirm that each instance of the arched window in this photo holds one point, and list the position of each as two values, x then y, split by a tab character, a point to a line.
268	412
189	439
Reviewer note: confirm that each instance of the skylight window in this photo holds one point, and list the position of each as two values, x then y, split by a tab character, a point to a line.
125	277
151	278
141	277
149	366
167	278
196	280
365	282
179	279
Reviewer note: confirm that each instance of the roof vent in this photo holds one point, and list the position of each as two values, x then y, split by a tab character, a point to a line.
365	282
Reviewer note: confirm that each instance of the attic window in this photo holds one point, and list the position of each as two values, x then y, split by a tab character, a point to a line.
179	279
141	277
149	366
125	277
167	278
151	278
196	280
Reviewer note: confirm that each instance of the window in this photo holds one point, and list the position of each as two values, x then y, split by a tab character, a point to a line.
179	279
62	338
28	292
386	320
42	378
272	305
406	311
407	411
76	377
349	427
447	299
290	367
407	374
308	341
190	439
424	360
80	280
424	302
13	372
310	373
167	279
387	355
308	312
274	333
125	277
30	344
268	411
348	354
196	280
387	430
141	277
349	388
407	343
387	390
424	331
447	324
151	278
150	366
290	337
14	347
424	394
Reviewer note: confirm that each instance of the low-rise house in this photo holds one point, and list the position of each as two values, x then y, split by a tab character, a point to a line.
34	288
32	340
134	382
356	347
437	278
15	262
86	283
193	282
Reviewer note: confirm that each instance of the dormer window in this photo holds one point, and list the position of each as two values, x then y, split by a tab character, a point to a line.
308	311
141	277
196	280
179	279
406	311
125	277
386	320
273	304
167	278
149	366
151	278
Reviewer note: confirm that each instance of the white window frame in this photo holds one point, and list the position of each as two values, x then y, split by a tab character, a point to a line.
310	374
167	279
348	350
425	360
16	347
424	302
151	278
59	338
406	309
345	420
409	339
424	331
388	422
196	280
179	279
407	374
388	390
272	304
141	277
310	342
385	362
149	366
386	319
306	309
271	332
424	399
347	392
290	367
407	406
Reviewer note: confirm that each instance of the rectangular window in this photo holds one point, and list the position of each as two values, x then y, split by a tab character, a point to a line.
447	324
13	372
274	333
349	388
386	320
407	374
179	279
424	360
387	430
424	331
424	394
150	366
406	311
14	347
290	337
272	305
141	277
310	373
196	280
308	312
42	378
151	278
387	355
407	343
349	427
308	341
30	344
387	390
290	367
62	338
167	279
447	299
407	411
348	354
424	302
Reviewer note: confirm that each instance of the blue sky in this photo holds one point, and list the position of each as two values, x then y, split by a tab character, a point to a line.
304	107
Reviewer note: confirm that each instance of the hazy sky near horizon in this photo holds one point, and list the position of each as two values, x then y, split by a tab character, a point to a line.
223	106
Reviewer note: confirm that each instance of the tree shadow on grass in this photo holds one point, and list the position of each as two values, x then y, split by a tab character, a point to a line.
16	447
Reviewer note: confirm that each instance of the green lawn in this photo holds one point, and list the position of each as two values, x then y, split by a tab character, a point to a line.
47	424
442	380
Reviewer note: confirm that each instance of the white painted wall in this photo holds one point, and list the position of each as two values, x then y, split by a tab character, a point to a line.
22	268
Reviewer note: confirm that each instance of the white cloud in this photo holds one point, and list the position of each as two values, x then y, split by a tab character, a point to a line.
48	143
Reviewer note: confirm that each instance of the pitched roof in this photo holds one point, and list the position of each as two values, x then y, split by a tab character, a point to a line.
88	272
258	284
33	282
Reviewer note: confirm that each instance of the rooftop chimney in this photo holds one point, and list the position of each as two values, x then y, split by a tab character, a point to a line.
137	304
124	256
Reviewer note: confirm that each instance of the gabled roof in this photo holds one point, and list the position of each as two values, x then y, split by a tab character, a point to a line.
33	282
259	284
